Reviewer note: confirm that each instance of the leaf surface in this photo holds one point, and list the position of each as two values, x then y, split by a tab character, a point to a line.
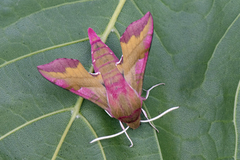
195	52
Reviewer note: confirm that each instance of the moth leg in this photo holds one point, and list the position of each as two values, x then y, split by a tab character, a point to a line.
124	130
108	113
110	136
145	114
148	91
160	115
122	126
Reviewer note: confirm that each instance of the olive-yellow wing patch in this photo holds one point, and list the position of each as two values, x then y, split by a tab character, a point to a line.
135	43
71	75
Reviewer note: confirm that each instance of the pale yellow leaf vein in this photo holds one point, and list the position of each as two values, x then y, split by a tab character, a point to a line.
34	120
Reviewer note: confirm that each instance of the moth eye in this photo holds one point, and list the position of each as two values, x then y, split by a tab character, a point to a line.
122	74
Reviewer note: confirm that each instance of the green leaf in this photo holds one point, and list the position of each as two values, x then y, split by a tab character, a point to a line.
195	52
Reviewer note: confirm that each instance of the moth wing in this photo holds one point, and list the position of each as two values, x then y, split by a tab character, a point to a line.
135	43
71	75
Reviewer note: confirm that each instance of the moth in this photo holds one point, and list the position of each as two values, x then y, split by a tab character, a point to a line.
116	85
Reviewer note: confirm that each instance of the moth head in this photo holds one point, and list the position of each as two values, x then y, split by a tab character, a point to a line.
135	124
133	120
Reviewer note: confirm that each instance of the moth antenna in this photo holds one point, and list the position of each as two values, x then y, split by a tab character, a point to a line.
148	91
160	115
110	136
122	126
145	114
